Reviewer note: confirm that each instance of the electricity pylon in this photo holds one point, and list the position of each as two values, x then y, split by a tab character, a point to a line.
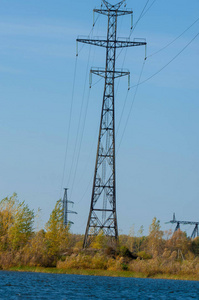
66	211
102	216
195	232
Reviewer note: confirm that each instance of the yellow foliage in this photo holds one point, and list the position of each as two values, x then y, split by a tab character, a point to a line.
16	223
57	234
100	241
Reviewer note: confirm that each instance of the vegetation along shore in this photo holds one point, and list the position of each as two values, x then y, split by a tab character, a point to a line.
54	249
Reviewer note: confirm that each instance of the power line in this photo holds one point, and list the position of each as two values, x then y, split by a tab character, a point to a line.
80	116
78	155
141	15
131	105
71	109
139	83
143	12
167	63
148	9
174	39
91	32
83	124
69	126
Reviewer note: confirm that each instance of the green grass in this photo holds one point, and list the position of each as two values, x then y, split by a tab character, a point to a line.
92	272
103	273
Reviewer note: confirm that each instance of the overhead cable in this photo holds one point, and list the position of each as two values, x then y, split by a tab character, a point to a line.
141	15
131	105
80	117
167	63
174	39
69	126
81	138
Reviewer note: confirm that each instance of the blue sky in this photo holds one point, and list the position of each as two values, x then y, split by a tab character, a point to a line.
157	161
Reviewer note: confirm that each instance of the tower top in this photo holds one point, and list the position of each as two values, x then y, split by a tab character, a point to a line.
113	6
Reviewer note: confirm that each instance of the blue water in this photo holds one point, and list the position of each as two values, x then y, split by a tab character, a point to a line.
18	285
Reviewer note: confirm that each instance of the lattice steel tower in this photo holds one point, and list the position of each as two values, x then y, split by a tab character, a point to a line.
102	214
65	209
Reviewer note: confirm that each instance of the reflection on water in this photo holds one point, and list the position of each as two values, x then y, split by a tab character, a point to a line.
21	285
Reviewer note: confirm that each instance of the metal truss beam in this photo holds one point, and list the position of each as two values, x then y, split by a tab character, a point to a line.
103	73
110	44
113	12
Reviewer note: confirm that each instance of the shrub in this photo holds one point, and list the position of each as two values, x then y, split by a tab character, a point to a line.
110	251
144	255
125	252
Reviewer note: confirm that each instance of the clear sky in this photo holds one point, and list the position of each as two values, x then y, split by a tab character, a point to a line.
46	105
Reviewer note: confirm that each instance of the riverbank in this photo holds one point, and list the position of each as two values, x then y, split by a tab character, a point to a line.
97	272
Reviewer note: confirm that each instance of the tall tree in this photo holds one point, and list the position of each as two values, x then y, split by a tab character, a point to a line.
155	241
16	223
57	234
179	242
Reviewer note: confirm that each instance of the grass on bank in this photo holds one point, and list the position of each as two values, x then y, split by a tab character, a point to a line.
91	272
96	272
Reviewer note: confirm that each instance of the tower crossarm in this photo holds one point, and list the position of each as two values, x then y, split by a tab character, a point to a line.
103	73
184	222
72	212
113	12
111	43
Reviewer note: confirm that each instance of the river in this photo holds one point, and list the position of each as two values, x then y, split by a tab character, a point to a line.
25	285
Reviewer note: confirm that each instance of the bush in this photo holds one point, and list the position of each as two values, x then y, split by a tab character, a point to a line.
110	251
125	252
144	255
124	267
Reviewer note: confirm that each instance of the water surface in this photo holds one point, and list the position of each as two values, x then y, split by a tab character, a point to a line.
24	285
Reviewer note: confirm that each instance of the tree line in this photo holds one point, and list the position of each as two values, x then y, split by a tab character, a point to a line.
55	246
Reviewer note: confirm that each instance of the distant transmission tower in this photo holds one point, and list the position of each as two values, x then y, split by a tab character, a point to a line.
65	209
102	216
195	232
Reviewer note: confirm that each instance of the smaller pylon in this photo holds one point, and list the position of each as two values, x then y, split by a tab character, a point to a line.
65	209
195	232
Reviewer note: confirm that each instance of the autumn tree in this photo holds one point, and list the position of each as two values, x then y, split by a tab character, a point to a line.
16	223
179	242
155	241
57	234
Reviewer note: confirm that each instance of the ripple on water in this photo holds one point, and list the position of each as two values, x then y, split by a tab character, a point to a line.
22	285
